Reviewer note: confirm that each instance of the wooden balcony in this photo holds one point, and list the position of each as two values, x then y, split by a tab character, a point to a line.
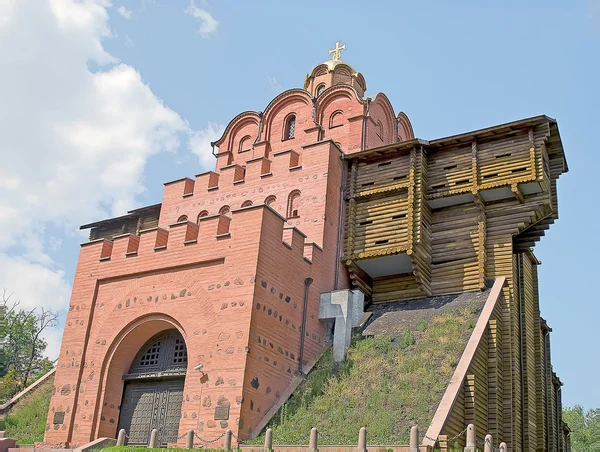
417	217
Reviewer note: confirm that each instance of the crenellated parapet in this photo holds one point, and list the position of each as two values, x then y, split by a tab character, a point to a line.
214	233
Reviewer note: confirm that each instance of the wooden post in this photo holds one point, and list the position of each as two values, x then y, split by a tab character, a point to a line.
414	439
313	445
362	439
471	447
487	445
503	447
227	440
443	442
269	440
189	440
153	439
121	437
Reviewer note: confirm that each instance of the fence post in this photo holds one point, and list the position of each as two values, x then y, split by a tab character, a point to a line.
153	439
414	439
314	440
503	447
362	439
269	440
121	437
487	446
471	447
227	440
189	439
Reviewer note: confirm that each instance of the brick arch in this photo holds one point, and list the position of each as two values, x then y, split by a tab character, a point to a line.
121	353
333	94
225	210
241	121
182	218
405	130
336	119
247	203
202	214
297	101
269	200
292	210
381	126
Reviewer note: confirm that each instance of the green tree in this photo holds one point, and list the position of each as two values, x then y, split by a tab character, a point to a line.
23	345
585	427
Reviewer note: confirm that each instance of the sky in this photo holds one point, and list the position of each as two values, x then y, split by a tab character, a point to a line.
101	102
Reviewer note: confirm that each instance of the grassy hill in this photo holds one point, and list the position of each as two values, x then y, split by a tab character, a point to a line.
391	380
26	421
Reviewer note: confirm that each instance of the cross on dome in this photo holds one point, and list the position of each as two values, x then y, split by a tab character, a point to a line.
337	52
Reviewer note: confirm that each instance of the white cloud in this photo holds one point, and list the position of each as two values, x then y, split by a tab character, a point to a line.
274	84
73	142
200	140
126	13
128	41
207	24
36	285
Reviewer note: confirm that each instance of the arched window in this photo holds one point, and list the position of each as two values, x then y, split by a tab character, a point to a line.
224	210
270	200
247	203
336	119
379	130
320	89
245	144
182	218
204	213
292	206
289	129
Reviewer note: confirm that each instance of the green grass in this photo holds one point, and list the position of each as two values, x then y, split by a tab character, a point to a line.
387	384
26	421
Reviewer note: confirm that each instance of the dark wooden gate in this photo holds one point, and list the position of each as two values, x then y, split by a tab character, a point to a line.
154	390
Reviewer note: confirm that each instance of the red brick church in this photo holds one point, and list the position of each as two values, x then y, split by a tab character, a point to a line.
202	312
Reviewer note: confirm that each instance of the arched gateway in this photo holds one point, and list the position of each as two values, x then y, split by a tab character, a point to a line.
153	390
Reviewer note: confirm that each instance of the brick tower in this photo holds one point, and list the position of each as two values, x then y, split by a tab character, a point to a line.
200	312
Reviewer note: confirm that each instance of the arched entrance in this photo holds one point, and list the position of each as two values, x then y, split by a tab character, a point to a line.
153	390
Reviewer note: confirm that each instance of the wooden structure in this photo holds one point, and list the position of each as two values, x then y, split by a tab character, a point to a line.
450	215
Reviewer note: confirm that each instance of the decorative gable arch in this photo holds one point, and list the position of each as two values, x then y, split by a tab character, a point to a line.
286	99
235	125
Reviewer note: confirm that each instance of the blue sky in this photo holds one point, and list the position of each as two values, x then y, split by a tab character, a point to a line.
102	103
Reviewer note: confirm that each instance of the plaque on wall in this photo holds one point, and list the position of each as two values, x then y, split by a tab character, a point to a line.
59	417
222	413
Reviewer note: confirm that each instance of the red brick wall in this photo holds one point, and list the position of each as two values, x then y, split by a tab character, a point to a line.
228	283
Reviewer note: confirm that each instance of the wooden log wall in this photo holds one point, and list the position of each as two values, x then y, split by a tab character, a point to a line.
455	249
421	257
388	288
450	169
381	222
492	391
472	207
386	174
529	337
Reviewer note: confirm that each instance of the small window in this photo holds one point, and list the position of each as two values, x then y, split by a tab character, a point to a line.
247	203
245	144
224	210
270	200
320	89
336	119
202	214
379	130
182	218
292	207
289	130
